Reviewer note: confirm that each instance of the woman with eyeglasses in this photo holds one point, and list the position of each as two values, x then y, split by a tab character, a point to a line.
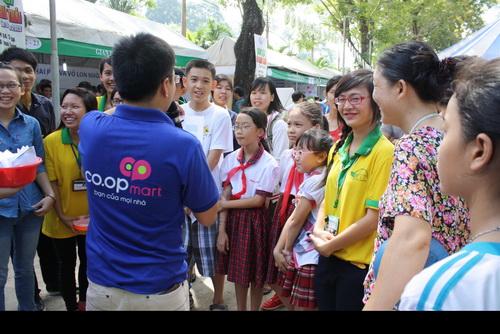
21	213
418	222
357	175
116	100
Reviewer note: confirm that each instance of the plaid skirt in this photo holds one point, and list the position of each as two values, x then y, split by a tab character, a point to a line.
276	228
246	260
298	285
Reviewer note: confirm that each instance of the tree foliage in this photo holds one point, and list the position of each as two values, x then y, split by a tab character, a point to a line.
129	6
209	33
197	13
440	23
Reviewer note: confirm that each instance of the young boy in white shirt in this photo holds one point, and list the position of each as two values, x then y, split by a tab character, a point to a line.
217	138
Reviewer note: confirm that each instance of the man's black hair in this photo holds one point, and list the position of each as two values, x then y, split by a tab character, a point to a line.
15	53
140	64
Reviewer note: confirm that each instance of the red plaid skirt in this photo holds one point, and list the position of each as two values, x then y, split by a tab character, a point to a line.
299	286
246	261
276	228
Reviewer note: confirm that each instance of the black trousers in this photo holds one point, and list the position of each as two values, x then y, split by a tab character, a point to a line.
66	250
338	285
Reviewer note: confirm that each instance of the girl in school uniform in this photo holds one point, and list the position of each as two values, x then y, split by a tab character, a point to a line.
301	118
294	245
250	175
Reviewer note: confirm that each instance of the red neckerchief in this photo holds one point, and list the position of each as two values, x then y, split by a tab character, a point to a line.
295	179
241	159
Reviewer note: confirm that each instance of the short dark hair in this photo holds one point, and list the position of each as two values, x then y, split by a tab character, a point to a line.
140	63
297	95
45	85
262	82
239	90
87	96
105	60
476	91
332	82
201	63
15	53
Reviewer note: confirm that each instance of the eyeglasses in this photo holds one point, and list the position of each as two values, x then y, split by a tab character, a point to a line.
353	100
10	86
299	153
177	78
116	101
243	128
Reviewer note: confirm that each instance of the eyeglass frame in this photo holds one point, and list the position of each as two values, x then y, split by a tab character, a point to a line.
12	86
296	154
349	100
113	101
243	128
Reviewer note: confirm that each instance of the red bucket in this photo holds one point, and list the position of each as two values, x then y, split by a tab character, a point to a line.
18	176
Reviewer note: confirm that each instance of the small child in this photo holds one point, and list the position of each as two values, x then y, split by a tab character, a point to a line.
250	175
301	118
295	246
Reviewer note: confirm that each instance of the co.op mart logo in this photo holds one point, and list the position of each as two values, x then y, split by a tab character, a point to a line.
135	170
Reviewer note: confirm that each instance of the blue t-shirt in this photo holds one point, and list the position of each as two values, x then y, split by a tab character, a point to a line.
140	172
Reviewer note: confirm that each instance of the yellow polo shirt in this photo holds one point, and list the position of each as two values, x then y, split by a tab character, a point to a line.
356	183
62	161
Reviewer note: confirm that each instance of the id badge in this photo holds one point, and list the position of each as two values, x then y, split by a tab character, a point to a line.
332	224
79	185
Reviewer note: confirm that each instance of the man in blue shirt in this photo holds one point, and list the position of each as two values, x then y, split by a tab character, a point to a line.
141	171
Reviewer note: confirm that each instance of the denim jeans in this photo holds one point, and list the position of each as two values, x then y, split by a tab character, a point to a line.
21	234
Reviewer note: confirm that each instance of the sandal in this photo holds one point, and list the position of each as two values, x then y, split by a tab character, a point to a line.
218	307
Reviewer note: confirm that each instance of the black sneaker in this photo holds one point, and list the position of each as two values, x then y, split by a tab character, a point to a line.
40	306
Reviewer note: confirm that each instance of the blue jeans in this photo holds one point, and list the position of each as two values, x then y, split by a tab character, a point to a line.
21	234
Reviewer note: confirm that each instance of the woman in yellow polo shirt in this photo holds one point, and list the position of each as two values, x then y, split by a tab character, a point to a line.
359	167
63	163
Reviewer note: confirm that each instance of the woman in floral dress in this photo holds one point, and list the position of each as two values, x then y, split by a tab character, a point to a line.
409	81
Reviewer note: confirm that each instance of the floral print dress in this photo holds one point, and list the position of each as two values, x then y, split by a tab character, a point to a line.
414	190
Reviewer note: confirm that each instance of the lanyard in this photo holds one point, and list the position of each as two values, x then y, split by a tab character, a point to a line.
342	176
77	158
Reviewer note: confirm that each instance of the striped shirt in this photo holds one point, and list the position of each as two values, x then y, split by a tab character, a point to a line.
466	280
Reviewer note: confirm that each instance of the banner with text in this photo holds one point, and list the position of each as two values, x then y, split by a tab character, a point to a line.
12	30
260	56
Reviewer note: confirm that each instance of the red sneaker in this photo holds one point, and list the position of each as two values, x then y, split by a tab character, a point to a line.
272	303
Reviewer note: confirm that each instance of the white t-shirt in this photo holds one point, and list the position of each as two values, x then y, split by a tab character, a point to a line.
303	249
217	131
280	141
262	176
466	280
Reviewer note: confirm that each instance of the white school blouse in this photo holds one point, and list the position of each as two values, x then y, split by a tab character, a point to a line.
261	177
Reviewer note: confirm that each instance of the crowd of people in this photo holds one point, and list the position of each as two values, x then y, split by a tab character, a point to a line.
178	170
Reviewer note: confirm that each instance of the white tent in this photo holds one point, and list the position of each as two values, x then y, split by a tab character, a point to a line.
280	66
484	43
88	30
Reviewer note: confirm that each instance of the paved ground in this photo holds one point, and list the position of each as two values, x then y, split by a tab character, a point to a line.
202	291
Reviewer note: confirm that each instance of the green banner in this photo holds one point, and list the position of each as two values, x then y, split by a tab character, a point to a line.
84	50
289	76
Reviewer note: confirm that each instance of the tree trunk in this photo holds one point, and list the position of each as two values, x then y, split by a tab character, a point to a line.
244	49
